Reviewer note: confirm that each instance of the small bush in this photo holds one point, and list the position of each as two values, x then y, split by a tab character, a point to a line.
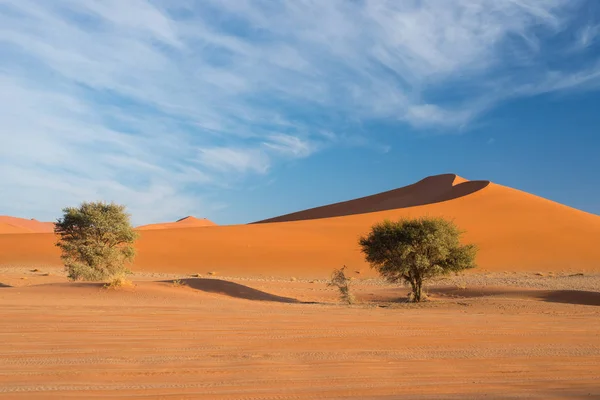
119	282
342	282
178	283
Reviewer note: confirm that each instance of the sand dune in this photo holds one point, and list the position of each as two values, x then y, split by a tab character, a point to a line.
514	230
22	225
187	222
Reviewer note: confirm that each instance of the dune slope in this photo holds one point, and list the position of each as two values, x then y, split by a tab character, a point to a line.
515	231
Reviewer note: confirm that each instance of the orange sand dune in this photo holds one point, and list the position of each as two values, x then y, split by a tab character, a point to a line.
187	222
515	231
22	225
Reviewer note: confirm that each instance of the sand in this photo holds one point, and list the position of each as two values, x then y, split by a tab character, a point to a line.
514	230
248	338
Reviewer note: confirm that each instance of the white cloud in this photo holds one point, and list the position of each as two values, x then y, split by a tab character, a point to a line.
240	160
289	145
143	102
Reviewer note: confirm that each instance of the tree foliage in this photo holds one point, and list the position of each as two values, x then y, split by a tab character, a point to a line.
415	250
96	240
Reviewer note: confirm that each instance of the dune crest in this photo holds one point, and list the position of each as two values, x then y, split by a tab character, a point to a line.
21	225
433	189
186	222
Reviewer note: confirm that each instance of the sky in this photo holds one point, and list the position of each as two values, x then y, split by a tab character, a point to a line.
240	110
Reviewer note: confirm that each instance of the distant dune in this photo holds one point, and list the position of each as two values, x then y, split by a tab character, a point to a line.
514	230
22	225
187	222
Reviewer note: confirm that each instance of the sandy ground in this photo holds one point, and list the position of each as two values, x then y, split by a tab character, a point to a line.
482	336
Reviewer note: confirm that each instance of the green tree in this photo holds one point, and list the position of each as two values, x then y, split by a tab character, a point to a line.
415	250
96	240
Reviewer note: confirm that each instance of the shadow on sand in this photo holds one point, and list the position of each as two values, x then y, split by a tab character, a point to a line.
236	290
4	285
552	296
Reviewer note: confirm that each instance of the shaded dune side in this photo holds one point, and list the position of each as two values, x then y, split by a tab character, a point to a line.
433	189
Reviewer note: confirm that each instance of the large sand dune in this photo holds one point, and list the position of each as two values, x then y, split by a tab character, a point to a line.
515	231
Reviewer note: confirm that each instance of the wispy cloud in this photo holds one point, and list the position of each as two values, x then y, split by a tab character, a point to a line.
143	102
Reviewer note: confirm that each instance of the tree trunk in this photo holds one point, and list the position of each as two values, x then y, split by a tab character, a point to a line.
416	285
417	291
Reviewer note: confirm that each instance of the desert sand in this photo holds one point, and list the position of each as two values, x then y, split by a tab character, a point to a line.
243	311
247	338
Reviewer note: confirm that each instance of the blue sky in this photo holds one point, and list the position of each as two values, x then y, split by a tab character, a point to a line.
241	110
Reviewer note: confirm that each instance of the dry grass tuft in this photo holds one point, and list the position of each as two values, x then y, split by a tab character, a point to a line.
178	283
119	282
342	282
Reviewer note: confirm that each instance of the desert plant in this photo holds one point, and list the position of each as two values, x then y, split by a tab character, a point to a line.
96	240
342	282
415	250
119	281
178	282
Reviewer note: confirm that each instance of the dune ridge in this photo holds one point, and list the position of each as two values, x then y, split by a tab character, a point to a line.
433	189
514	230
186	222
10	224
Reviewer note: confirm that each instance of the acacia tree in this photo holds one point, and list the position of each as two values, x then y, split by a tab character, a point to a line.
96	240
415	250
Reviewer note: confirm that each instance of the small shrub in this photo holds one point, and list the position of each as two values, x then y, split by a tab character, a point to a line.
342	282
178	283
118	282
